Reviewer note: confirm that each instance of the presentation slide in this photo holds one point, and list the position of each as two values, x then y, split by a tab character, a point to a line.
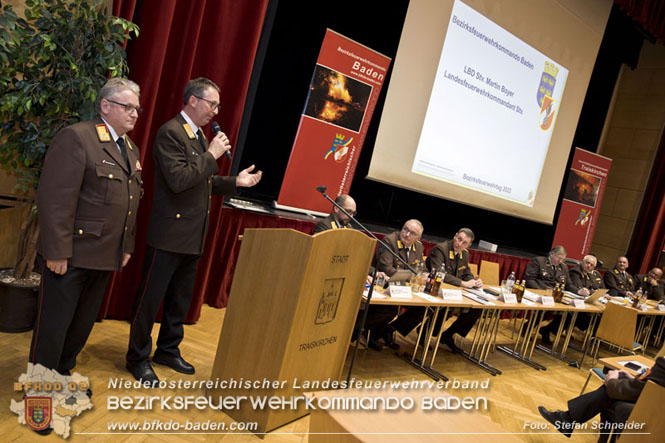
484	99
492	110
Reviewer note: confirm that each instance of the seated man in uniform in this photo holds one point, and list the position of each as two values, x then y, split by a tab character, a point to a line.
454	256
546	273
337	219
652	284
405	243
618	281
378	316
618	394
584	280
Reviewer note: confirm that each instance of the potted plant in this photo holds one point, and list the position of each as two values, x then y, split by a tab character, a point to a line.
54	58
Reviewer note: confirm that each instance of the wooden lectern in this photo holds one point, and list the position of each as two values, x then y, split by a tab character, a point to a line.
292	307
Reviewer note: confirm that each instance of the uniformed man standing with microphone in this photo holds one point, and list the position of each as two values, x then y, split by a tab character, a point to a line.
185	167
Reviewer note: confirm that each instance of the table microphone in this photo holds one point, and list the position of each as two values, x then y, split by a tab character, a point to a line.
216	129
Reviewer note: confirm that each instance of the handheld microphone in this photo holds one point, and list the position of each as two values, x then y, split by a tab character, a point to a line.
321	189
216	129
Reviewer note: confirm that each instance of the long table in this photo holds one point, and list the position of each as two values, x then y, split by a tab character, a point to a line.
433	307
484	338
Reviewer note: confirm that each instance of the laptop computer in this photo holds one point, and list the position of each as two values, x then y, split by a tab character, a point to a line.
596	297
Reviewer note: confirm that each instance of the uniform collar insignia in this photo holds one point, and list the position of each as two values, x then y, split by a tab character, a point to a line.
188	130
103	133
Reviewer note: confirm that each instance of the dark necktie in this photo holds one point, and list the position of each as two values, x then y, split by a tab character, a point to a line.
202	142
123	151
456	265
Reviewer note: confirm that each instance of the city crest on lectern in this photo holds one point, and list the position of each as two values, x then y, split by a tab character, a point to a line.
332	290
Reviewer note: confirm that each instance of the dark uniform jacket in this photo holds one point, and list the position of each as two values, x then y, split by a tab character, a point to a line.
579	279
653	292
457	268
619	282
541	274
389	264
629	389
184	182
88	198
327	223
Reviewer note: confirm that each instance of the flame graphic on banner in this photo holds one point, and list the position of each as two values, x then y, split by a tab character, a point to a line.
338	97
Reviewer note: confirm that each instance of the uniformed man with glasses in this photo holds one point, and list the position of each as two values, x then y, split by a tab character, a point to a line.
185	180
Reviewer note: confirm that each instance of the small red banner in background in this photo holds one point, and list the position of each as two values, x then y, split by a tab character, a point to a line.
342	96
583	195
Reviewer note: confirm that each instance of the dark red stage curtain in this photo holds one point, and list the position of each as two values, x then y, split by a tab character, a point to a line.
649	13
649	233
180	40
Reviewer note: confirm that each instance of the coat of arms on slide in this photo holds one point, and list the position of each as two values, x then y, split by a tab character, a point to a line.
544	96
332	290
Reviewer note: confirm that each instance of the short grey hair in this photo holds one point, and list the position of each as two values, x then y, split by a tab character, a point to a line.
422	229
113	86
590	256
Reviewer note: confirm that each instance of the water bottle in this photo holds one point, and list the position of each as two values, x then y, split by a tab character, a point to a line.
509	283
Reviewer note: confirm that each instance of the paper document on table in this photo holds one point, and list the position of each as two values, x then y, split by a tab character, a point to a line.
377	295
573	295
532	296
483	300
528	302
428	297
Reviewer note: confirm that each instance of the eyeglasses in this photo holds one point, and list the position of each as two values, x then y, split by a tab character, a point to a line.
350	212
214	106
409	231
128	108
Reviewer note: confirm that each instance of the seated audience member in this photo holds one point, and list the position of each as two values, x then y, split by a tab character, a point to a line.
546	273
454	256
337	219
614	401
378	316
405	243
652	283
584	280
618	281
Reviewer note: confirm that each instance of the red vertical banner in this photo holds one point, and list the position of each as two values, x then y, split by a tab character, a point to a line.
342	96
583	195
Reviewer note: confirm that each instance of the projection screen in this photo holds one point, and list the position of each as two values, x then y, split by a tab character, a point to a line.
484	100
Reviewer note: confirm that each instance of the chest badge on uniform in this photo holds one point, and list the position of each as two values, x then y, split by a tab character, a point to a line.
188	130
103	133
138	166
